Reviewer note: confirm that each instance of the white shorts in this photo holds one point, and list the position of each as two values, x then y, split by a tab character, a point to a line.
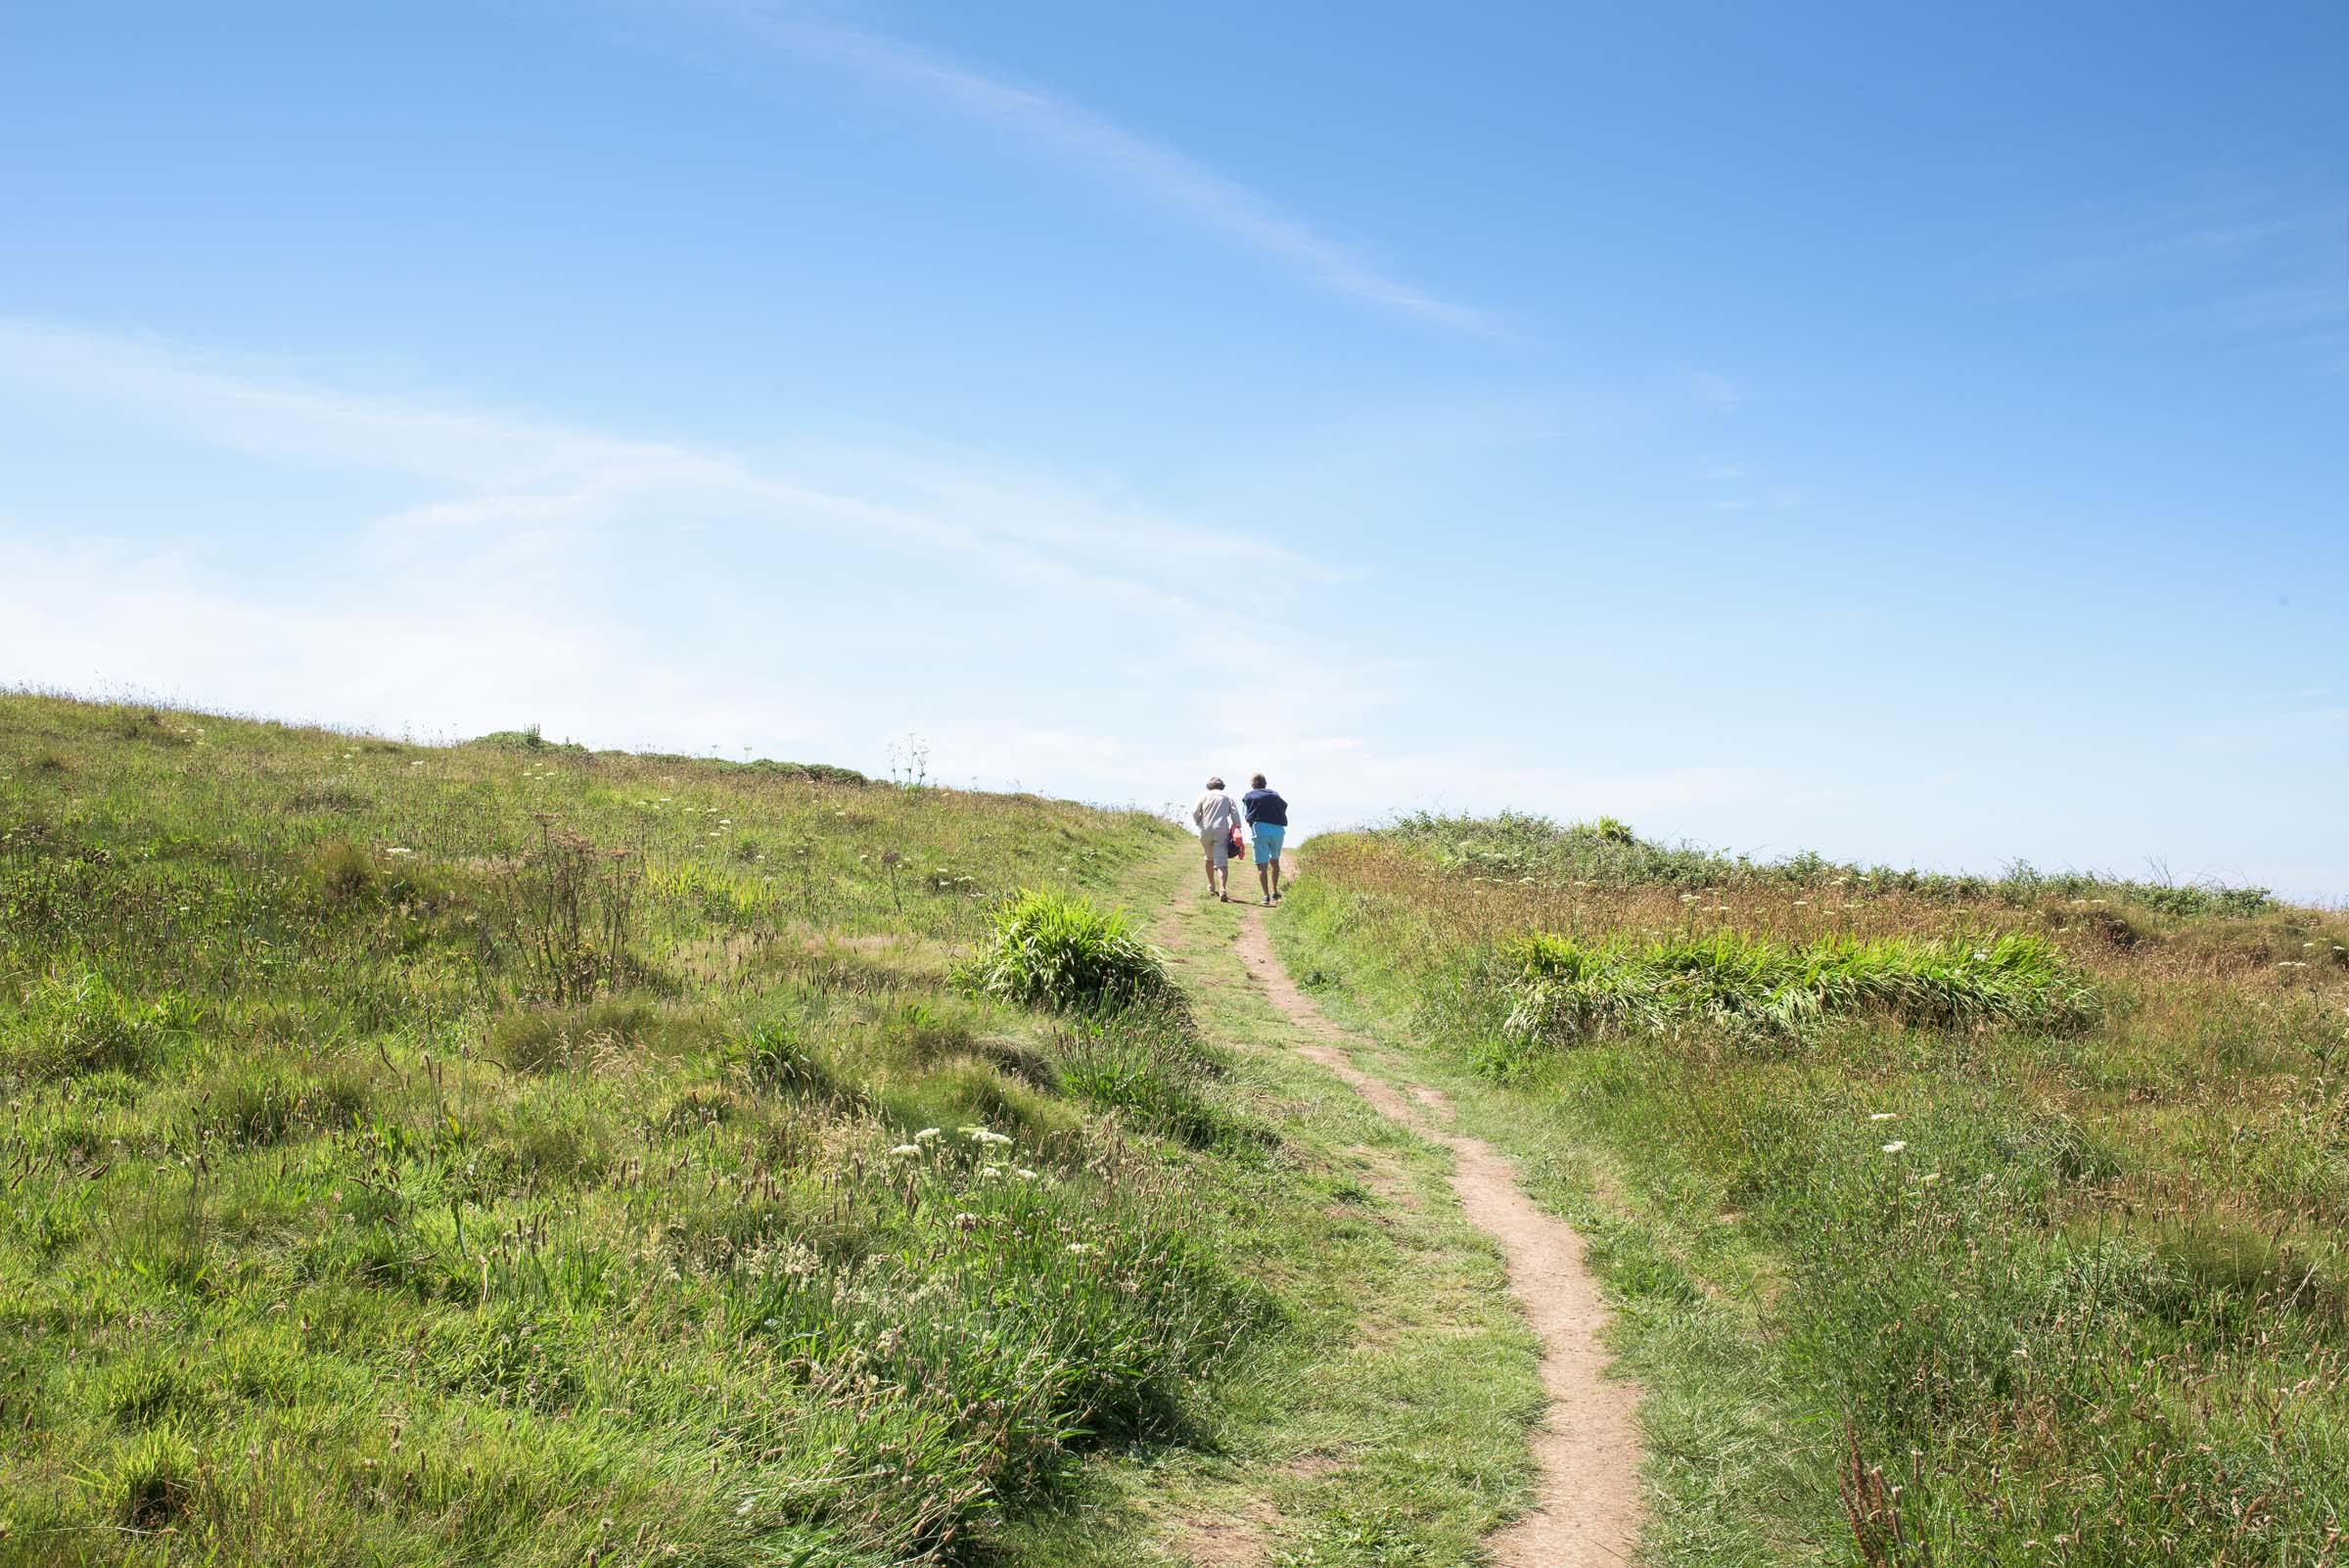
1217	844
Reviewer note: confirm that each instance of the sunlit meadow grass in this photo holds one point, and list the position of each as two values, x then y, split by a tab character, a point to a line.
505	1153
2051	1282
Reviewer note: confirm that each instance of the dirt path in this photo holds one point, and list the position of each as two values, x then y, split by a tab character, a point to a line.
1588	1447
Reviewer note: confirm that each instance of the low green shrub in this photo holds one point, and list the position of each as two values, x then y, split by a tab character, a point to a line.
1565	990
1064	952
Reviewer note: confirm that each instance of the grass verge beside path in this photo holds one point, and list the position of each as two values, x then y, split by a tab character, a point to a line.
2054	1277
1386	1425
1687	1288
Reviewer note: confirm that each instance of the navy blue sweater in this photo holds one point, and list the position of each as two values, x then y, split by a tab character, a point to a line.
1266	806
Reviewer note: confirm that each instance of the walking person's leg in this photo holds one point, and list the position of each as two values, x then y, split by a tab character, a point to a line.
1268	859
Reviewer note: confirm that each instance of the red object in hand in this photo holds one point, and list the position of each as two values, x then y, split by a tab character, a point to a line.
1239	846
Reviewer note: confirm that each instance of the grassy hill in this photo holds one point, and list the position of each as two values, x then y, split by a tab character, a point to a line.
1955	1219
511	1153
505	1152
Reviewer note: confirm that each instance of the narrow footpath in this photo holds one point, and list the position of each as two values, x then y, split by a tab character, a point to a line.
1588	1513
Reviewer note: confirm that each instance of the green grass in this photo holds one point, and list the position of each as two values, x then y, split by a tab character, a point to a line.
1385	1424
2052	1278
1050	950
1607	851
1565	990
510	1153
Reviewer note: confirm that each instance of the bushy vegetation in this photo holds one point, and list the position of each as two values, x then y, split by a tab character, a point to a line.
1567	989
1953	1224
1607	853
513	1153
1052	949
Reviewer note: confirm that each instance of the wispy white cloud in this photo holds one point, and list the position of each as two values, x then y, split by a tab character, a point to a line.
2229	255
642	590
520	474
1090	144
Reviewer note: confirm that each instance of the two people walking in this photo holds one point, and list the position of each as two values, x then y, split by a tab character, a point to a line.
1218	819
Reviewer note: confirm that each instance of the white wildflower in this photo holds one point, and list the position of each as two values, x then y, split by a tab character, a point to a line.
926	1134
906	1148
1884	1115
1896	1146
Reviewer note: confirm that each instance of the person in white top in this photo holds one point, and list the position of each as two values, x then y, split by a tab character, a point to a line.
1216	815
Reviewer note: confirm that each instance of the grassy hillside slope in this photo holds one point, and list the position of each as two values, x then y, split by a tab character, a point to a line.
1954	1219
509	1153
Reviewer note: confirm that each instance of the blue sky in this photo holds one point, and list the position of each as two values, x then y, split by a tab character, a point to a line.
1922	438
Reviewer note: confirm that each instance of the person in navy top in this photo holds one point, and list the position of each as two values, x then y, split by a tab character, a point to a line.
1267	825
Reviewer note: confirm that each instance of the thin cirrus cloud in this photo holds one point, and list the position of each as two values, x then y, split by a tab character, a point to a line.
2254	259
1090	144
457	564
521	473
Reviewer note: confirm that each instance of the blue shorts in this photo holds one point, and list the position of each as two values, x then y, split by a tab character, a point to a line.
1267	841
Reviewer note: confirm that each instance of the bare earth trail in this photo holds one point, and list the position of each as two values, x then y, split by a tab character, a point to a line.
1588	1513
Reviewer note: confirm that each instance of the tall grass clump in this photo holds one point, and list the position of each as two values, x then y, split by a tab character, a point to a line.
1566	989
1062	952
